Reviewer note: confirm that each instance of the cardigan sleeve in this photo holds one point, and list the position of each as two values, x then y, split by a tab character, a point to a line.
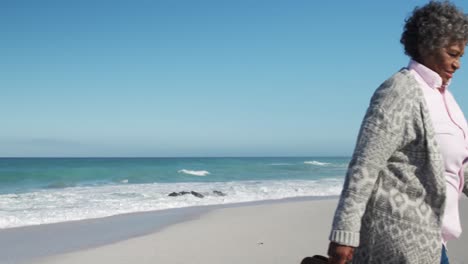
380	135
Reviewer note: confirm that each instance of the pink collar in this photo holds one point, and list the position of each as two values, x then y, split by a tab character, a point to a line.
429	76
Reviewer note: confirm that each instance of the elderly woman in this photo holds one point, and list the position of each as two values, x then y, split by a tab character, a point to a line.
399	202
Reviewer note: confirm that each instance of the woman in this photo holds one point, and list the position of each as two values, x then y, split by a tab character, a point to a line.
399	202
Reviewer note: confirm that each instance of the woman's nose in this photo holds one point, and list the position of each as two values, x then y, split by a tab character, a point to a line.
456	64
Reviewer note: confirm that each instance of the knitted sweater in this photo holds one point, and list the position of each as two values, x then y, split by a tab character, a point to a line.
393	198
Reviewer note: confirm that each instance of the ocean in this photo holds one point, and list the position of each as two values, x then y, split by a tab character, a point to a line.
36	191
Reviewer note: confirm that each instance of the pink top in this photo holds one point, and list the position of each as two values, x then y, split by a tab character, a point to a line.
451	131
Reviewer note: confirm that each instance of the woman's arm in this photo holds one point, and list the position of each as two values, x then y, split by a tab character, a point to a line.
381	134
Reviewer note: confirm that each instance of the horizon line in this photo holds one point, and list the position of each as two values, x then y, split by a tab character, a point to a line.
167	157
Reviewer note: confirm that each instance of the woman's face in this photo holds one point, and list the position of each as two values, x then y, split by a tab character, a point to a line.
445	61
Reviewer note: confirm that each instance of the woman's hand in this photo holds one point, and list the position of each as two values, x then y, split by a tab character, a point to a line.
339	254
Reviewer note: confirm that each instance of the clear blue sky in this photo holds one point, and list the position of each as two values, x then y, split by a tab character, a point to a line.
195	78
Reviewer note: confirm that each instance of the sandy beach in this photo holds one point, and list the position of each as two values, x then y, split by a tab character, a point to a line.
269	232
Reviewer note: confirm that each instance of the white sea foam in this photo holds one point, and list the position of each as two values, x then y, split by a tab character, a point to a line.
76	203
317	163
195	173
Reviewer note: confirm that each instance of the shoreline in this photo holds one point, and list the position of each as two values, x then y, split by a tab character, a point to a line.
97	232
273	231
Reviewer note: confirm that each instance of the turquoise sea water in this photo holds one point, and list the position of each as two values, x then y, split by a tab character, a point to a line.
46	190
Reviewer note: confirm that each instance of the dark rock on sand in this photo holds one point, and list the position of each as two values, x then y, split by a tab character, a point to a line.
175	194
196	194
219	193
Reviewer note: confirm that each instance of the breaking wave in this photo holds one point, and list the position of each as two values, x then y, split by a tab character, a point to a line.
317	163
195	173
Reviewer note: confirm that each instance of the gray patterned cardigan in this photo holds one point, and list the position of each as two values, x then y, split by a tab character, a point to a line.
393	198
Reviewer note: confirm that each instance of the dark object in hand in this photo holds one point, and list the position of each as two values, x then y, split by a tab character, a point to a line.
317	259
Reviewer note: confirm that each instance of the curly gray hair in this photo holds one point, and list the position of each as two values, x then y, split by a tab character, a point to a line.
433	26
